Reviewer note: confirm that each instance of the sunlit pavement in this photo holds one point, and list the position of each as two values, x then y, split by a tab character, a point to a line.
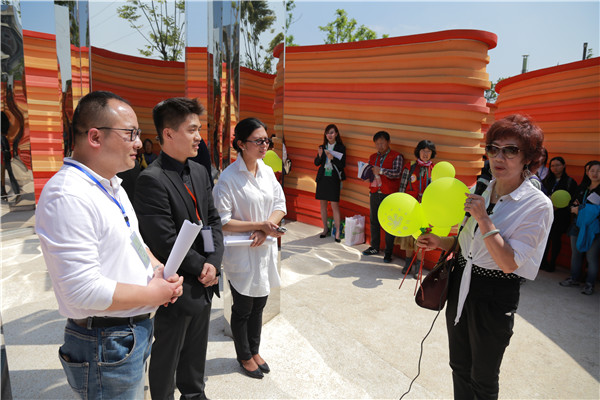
345	331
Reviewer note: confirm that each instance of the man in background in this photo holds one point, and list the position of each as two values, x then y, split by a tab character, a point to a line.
387	168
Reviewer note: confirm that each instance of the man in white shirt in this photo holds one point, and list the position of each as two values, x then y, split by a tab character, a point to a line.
101	270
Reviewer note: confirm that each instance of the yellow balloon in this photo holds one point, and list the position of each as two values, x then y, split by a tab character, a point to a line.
273	161
400	214
560	198
443	202
443	169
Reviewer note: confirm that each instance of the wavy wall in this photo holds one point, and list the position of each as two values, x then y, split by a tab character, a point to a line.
428	86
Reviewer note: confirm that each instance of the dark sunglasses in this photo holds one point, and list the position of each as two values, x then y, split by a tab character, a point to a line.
509	151
260	142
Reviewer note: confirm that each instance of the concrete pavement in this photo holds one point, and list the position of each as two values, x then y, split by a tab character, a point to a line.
345	331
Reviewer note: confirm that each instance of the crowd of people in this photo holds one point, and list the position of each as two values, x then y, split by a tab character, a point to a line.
108	269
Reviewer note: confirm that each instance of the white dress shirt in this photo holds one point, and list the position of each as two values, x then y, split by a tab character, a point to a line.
86	243
524	218
241	196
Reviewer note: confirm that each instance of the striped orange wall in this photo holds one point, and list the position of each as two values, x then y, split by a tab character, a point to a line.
43	104
196	84
141	81
428	86
565	102
257	96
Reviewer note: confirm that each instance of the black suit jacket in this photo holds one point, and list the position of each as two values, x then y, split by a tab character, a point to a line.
338	165
162	203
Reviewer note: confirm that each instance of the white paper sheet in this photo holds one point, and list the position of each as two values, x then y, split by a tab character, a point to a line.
242	240
336	154
184	241
594	198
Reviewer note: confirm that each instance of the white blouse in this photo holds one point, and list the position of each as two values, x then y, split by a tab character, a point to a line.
241	196
524	218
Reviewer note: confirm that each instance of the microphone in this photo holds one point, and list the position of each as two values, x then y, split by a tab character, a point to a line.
482	182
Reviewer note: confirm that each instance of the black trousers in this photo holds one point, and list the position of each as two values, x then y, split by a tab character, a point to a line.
478	341
179	354
246	323
375	200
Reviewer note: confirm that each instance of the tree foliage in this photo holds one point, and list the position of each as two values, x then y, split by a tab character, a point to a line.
490	94
166	20
343	30
256	18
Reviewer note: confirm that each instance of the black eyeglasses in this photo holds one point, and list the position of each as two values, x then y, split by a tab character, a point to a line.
509	151
134	133
260	142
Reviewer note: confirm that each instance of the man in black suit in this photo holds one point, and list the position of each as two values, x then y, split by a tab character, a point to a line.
171	190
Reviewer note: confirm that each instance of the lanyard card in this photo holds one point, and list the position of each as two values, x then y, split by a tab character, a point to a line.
207	238
139	249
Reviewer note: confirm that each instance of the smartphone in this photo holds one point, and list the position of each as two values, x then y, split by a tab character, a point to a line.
282	229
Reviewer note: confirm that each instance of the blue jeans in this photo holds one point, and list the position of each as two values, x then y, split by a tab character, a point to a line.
593	259
107	363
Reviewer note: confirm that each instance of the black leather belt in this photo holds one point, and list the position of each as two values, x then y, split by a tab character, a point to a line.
107	322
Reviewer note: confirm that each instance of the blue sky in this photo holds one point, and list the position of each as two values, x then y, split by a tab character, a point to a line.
550	32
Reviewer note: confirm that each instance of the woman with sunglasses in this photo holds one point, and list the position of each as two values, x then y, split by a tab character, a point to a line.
331	160
585	230
502	240
557	179
250	202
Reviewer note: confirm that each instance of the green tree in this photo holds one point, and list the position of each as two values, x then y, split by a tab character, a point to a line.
166	20
289	20
589	54
490	94
343	30
256	18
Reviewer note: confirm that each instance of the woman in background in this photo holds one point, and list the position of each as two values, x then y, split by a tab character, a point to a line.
557	179
250	202
330	176
415	178
585	230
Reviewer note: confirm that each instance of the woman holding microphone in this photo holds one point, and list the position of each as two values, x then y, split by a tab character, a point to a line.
250	201
330	176
503	240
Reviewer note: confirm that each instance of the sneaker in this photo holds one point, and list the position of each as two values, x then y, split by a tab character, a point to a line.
588	289
387	258
371	251
569	282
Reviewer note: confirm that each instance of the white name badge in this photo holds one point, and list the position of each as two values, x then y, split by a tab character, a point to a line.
139	249
207	238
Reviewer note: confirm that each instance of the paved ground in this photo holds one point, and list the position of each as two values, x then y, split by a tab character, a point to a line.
345	331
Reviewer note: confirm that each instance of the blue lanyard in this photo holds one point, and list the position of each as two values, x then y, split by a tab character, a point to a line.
101	187
382	159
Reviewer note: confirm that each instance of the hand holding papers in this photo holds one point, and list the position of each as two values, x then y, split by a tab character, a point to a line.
184	241
241	240
336	154
365	171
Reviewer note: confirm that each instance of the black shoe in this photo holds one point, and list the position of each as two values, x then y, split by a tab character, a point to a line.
371	251
264	368
256	374
387	258
324	235
338	240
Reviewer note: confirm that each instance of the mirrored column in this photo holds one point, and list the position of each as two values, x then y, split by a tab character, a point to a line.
17	179
223	78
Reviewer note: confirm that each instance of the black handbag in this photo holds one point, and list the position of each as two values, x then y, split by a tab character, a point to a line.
433	291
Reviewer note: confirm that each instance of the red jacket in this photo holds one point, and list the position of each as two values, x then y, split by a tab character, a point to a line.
388	185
